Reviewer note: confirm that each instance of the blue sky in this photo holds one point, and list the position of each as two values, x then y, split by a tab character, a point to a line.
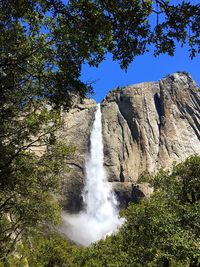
145	68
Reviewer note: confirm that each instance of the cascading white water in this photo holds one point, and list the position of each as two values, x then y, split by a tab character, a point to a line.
98	197
100	216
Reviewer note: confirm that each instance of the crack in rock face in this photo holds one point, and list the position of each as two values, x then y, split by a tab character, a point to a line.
146	127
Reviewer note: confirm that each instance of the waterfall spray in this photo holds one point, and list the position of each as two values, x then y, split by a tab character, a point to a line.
100	216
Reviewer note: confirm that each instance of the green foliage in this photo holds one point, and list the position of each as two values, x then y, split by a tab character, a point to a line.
182	183
27	196
163	230
45	43
157	233
43	250
50	250
31	160
43	46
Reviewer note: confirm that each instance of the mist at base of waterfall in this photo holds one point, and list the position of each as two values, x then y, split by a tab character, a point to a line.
84	229
100	216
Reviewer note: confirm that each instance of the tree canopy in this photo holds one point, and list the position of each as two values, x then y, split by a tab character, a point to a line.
45	42
43	45
163	230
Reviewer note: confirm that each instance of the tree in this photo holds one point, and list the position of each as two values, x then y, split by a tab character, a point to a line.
45	42
51	251
166	228
28	194
163	230
43	46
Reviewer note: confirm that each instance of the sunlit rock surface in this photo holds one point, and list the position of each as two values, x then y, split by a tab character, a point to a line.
150	125
146	127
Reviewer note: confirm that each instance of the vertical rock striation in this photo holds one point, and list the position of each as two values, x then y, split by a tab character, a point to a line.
150	125
146	127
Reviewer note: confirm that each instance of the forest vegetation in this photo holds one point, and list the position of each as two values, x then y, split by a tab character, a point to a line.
163	230
44	44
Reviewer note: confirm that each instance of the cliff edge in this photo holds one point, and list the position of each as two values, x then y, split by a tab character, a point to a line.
146	127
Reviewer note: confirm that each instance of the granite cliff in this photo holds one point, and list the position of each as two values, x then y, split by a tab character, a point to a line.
146	127
76	132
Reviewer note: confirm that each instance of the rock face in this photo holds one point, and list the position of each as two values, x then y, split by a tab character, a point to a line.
149	126
76	132
146	127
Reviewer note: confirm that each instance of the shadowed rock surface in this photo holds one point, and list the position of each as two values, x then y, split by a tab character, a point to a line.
76	132
146	127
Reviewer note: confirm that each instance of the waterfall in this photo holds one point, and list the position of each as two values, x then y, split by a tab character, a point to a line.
98	196
100	216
